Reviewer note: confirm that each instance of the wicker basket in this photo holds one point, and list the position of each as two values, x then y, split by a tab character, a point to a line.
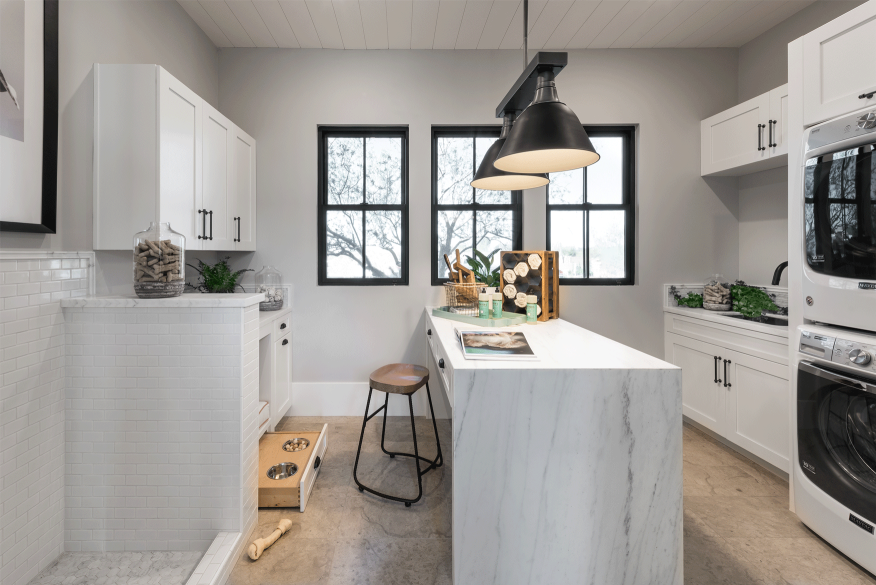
462	298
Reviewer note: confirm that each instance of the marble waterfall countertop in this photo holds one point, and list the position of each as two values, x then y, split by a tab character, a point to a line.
567	469
186	301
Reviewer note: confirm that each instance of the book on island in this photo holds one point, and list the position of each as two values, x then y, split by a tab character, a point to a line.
485	344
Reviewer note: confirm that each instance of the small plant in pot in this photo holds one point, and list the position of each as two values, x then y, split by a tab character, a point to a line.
482	266
217	278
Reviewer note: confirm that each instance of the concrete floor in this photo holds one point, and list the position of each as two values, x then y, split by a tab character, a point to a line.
737	527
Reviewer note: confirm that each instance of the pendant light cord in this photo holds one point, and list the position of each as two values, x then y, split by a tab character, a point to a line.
525	33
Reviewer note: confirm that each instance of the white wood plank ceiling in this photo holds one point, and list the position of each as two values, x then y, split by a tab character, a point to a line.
487	24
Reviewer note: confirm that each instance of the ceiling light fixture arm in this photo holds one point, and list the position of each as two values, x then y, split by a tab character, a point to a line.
525	33
521	93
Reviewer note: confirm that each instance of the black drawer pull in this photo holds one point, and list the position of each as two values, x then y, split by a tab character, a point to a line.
317	462
285	342
441	363
717	380
866	96
282	325
727	383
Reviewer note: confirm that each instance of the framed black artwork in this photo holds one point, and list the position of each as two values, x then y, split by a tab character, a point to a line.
28	116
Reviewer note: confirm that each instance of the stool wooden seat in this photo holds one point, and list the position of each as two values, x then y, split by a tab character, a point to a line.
399	378
404	379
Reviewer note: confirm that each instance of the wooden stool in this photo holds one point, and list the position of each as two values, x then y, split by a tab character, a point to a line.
402	379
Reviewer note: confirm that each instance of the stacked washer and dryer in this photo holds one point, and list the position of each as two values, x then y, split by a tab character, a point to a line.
835	468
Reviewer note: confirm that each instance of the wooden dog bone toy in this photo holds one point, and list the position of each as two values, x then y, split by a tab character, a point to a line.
258	547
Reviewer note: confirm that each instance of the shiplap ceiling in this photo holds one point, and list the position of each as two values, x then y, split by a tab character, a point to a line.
486	24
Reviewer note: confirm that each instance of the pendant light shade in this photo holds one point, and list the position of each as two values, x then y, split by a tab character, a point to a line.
490	178
547	137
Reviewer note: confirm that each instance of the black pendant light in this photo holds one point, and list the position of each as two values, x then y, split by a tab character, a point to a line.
547	137
490	178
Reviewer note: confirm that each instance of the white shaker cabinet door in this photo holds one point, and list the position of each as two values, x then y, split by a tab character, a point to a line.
758	407
244	191
778	122
218	173
839	72
180	122
735	137
702	395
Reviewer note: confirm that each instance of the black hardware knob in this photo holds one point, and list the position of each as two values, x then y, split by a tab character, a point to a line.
317	462
429	333
282	325
441	363
285	342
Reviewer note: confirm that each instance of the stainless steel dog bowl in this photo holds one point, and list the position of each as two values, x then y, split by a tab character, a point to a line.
295	445
282	471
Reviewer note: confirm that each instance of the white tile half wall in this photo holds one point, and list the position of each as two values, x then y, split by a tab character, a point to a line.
32	283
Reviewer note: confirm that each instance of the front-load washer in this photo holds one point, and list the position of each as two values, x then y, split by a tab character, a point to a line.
835	467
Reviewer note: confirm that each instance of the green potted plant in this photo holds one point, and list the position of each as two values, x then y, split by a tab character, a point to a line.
482	266
217	278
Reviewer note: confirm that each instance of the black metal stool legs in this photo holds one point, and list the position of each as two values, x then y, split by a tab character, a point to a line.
433	464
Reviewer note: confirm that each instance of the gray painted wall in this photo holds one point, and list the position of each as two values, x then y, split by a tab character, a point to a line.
135	31
763	203
687	226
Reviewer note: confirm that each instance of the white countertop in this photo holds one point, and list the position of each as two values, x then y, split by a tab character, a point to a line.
186	301
559	345
721	317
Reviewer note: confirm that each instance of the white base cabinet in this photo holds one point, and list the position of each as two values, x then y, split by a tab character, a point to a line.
747	138
275	362
738	391
161	153
839	76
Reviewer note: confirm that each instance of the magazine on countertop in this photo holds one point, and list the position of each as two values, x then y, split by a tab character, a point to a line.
495	345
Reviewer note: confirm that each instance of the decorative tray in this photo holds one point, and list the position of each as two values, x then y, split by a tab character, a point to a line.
507	319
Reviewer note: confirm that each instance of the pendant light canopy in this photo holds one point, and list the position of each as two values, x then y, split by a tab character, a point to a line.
547	137
490	178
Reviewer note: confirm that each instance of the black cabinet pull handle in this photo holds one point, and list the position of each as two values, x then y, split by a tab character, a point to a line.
317	462
716	358
866	96
282	325
772	138
285	342
211	225
441	363
238	228
760	128
203	223
727	383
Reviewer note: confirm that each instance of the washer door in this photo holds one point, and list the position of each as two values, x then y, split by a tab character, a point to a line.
836	435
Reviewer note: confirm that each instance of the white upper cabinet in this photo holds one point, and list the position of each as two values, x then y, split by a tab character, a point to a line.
161	153
747	138
839	74
243	222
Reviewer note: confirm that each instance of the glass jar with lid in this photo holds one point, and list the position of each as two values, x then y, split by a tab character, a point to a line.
159	262
269	281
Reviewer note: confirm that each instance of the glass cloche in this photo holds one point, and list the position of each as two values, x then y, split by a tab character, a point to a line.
159	262
269	281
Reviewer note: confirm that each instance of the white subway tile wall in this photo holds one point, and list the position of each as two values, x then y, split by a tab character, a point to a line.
154	405
32	405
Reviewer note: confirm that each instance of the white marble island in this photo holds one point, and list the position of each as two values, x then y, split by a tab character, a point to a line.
568	469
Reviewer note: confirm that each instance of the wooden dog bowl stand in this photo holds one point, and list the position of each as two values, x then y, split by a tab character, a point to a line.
291	492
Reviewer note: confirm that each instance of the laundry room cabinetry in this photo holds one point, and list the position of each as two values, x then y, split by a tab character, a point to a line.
162	153
838	72
747	138
734	383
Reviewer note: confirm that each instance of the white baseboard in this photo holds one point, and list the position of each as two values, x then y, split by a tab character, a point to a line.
349	398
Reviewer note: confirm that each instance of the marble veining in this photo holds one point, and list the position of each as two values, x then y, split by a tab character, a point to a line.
186	301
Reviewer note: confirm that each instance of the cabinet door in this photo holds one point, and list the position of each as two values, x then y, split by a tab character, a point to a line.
778	123
838	67
702	397
735	137
758	407
244	217
282	395
179	122
218	181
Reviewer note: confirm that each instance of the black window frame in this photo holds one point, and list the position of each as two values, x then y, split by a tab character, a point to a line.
326	131
516	204
628	133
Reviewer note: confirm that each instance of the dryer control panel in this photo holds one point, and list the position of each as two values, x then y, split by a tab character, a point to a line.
855	354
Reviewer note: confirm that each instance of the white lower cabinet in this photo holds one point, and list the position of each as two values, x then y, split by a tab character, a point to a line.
740	397
275	363
283	373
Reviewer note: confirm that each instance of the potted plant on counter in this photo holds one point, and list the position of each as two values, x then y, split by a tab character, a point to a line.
482	266
217	278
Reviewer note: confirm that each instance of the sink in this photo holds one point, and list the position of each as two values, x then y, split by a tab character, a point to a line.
778	322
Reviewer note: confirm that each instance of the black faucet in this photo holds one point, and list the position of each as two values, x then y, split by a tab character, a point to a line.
777	275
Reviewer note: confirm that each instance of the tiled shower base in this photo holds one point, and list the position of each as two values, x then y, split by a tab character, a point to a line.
122	568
